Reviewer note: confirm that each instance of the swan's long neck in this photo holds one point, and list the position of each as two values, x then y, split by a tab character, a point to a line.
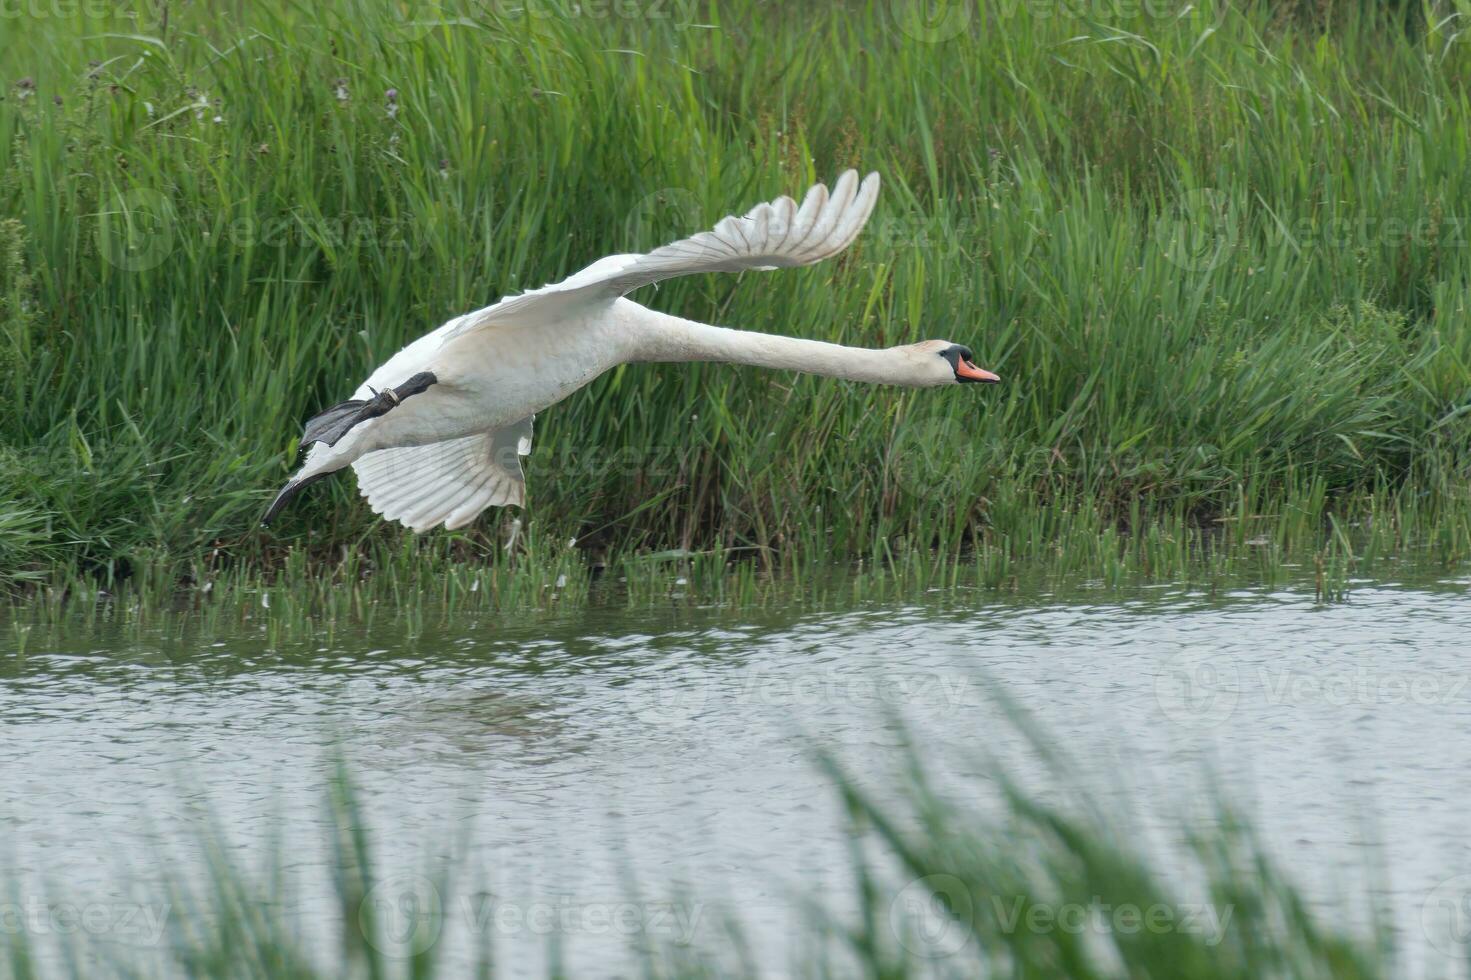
674	339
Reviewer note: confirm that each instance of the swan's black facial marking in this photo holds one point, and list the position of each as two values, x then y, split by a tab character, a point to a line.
959	356
954	353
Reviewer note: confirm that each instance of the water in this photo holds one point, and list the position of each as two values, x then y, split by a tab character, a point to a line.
623	774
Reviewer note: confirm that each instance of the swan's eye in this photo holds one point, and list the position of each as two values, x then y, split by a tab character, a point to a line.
956	354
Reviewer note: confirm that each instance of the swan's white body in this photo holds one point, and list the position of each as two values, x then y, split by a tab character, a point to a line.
443	455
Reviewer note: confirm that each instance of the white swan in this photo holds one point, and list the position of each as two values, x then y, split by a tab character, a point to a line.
436	433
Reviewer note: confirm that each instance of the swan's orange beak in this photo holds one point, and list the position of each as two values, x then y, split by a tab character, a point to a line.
966	371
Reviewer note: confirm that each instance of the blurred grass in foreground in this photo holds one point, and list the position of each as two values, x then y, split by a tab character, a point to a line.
1048	886
1219	252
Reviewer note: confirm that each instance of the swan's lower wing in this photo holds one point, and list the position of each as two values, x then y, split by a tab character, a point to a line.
774	235
449	482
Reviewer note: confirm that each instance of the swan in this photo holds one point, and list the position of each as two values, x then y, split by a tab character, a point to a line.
436	433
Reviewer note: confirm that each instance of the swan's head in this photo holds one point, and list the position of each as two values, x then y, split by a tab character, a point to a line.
939	362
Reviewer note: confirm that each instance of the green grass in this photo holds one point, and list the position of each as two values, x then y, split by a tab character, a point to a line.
418	584
1219	253
941	890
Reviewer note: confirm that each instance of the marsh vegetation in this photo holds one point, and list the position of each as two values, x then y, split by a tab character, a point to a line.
1218	252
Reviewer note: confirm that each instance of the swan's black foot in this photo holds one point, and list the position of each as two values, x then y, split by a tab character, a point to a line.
338	421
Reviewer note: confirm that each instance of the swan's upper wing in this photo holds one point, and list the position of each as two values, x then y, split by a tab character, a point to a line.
773	235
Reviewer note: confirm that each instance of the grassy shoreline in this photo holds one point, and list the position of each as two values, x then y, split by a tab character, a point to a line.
414	585
1219	253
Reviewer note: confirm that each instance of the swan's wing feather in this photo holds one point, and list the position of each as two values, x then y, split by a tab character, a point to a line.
777	234
449	482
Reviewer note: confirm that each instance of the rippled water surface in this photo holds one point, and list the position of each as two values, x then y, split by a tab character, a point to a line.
580	761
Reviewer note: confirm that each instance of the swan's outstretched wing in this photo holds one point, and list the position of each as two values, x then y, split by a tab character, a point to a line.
774	235
447	483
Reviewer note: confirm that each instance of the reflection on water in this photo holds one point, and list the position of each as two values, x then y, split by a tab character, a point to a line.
571	755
